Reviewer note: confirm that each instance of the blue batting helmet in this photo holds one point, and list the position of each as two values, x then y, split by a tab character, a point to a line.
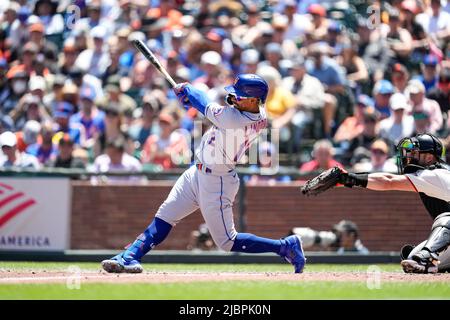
249	86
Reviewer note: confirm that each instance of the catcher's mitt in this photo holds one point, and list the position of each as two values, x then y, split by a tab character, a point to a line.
324	181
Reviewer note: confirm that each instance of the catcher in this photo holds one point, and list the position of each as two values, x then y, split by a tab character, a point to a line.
423	170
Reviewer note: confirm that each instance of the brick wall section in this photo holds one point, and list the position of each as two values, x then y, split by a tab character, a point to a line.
386	220
109	217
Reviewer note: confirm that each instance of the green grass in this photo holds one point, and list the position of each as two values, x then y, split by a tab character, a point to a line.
227	291
234	290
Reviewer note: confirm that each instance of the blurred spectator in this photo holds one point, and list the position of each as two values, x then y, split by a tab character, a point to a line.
89	117
280	103
382	92
343	237
355	69
44	149
28	135
95	61
422	122
29	108
435	20
12	156
115	96
360	145
335	39
441	93
168	148
399	77
65	157
400	124
115	159
272	53
399	39
45	48
326	69
332	78
373	49
322	154
62	113
379	162
143	127
113	130
249	59
166	9
17	85
297	23
319	20
430	72
212	66
51	20
18	33
68	56
353	126
310	96
420	103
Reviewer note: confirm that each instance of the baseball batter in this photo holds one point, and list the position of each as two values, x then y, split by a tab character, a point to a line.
422	169
212	183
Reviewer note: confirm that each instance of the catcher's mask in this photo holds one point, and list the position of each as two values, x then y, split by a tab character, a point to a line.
410	149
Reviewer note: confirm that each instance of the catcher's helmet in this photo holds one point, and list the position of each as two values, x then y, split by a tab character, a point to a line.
249	86
409	148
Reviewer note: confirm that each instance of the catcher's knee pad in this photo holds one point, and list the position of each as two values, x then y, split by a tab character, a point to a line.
439	238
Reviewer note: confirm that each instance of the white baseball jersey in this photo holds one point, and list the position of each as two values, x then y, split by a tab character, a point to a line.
214	190
230	136
434	183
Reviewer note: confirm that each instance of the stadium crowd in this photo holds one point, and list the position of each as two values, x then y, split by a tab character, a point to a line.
348	79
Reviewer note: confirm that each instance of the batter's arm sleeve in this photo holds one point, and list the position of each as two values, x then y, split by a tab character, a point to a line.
434	183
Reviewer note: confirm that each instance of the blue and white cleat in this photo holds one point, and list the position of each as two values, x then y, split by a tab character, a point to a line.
118	264
292	252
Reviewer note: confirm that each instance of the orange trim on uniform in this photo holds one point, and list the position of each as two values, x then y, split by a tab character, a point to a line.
411	183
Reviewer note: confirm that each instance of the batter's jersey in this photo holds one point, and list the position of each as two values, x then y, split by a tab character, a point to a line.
230	136
434	189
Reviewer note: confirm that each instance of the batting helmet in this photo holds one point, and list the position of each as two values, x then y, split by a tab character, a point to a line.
422	143
249	86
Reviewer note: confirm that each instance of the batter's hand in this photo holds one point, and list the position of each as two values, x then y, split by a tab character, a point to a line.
180	91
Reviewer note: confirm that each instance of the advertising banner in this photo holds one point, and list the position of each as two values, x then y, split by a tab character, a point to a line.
35	214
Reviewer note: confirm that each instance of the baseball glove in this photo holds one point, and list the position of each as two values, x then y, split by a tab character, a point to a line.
324	181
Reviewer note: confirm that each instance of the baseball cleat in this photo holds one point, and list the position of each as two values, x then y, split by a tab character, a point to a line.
412	266
292	252
118	264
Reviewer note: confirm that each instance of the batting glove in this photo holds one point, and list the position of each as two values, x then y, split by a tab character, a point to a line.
180	91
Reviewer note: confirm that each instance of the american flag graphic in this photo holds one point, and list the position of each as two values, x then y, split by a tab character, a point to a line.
12	203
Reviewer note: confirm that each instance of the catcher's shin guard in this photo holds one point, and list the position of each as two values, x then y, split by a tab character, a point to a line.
427	259
439	238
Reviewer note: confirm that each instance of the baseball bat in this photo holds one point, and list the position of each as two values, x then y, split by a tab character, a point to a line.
148	54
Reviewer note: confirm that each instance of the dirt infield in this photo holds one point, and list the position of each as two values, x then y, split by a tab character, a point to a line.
28	277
